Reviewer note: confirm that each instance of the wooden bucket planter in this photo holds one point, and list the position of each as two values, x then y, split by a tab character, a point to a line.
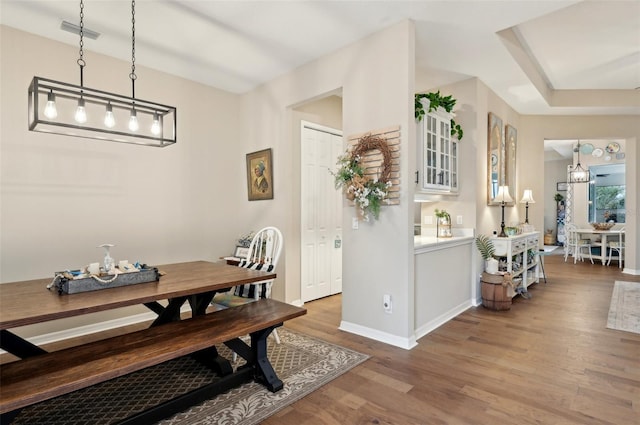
495	294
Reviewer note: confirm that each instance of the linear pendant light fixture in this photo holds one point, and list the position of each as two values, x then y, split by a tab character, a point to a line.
76	110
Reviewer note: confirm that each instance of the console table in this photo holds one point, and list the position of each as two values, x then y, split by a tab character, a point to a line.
519	254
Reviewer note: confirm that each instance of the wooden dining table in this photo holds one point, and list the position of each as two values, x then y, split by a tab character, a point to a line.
604	236
29	302
196	283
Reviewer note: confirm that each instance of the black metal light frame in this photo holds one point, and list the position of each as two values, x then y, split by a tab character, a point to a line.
96	101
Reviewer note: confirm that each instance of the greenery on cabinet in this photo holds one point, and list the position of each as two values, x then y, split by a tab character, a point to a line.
558	197
437	100
485	246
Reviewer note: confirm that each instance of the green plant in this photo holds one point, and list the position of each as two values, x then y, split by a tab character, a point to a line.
437	100
558	197
485	246
443	214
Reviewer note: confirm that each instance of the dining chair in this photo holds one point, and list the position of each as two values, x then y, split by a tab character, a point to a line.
263	254
575	245
617	246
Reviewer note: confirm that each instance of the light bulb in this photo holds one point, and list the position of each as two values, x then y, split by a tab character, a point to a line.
109	119
133	121
81	113
155	127
50	110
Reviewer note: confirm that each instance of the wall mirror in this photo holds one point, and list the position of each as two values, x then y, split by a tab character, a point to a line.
510	142
501	158
495	154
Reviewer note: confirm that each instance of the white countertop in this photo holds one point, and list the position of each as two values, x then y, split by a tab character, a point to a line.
423	243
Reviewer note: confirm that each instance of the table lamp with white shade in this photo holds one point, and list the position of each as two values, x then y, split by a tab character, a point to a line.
503	197
527	198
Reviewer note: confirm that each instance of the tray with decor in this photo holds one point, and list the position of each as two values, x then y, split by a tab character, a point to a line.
603	226
76	281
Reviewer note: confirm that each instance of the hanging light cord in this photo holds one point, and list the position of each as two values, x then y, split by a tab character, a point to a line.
81	61
133	75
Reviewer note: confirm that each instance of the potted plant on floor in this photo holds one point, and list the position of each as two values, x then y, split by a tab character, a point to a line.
487	249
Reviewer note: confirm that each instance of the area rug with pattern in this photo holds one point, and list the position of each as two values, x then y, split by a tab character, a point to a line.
302	362
624	311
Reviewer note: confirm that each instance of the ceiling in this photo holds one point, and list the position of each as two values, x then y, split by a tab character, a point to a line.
541	57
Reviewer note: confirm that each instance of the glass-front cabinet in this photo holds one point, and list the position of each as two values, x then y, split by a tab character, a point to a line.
437	154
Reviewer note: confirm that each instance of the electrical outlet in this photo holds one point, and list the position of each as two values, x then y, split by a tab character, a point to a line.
386	303
354	223
459	219
428	219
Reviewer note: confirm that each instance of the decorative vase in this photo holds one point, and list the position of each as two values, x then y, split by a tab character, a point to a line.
491	266
443	229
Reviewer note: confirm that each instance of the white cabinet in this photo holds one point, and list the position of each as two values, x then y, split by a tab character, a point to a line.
518	255
437	154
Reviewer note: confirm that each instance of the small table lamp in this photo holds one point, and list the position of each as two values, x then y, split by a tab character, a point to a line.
503	197
527	198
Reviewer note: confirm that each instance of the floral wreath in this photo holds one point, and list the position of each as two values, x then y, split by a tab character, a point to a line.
367	193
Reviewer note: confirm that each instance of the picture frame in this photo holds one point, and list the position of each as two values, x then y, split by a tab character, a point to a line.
561	186
260	175
241	252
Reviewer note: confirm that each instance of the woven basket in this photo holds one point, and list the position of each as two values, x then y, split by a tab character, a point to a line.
602	226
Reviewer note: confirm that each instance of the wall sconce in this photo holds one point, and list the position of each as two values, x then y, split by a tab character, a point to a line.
503	197
527	198
72	110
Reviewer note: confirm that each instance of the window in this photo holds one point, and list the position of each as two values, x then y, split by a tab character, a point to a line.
607	194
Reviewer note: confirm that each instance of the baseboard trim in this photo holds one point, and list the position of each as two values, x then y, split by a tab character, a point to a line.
387	338
442	319
627	270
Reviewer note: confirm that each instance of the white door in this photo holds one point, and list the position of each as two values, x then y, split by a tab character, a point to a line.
321	213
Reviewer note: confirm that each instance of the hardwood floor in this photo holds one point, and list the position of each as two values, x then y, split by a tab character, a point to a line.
548	360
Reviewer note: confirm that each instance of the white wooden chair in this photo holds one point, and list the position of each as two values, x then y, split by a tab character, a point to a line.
617	246
264	253
575	245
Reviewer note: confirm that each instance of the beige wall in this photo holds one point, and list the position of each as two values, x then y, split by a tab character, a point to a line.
63	196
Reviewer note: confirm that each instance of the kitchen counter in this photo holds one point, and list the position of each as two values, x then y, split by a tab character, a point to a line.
424	243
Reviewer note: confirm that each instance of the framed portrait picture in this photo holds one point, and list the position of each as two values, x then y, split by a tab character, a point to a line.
260	175
561	186
241	251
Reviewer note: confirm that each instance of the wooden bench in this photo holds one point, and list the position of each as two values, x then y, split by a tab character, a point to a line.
71	369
